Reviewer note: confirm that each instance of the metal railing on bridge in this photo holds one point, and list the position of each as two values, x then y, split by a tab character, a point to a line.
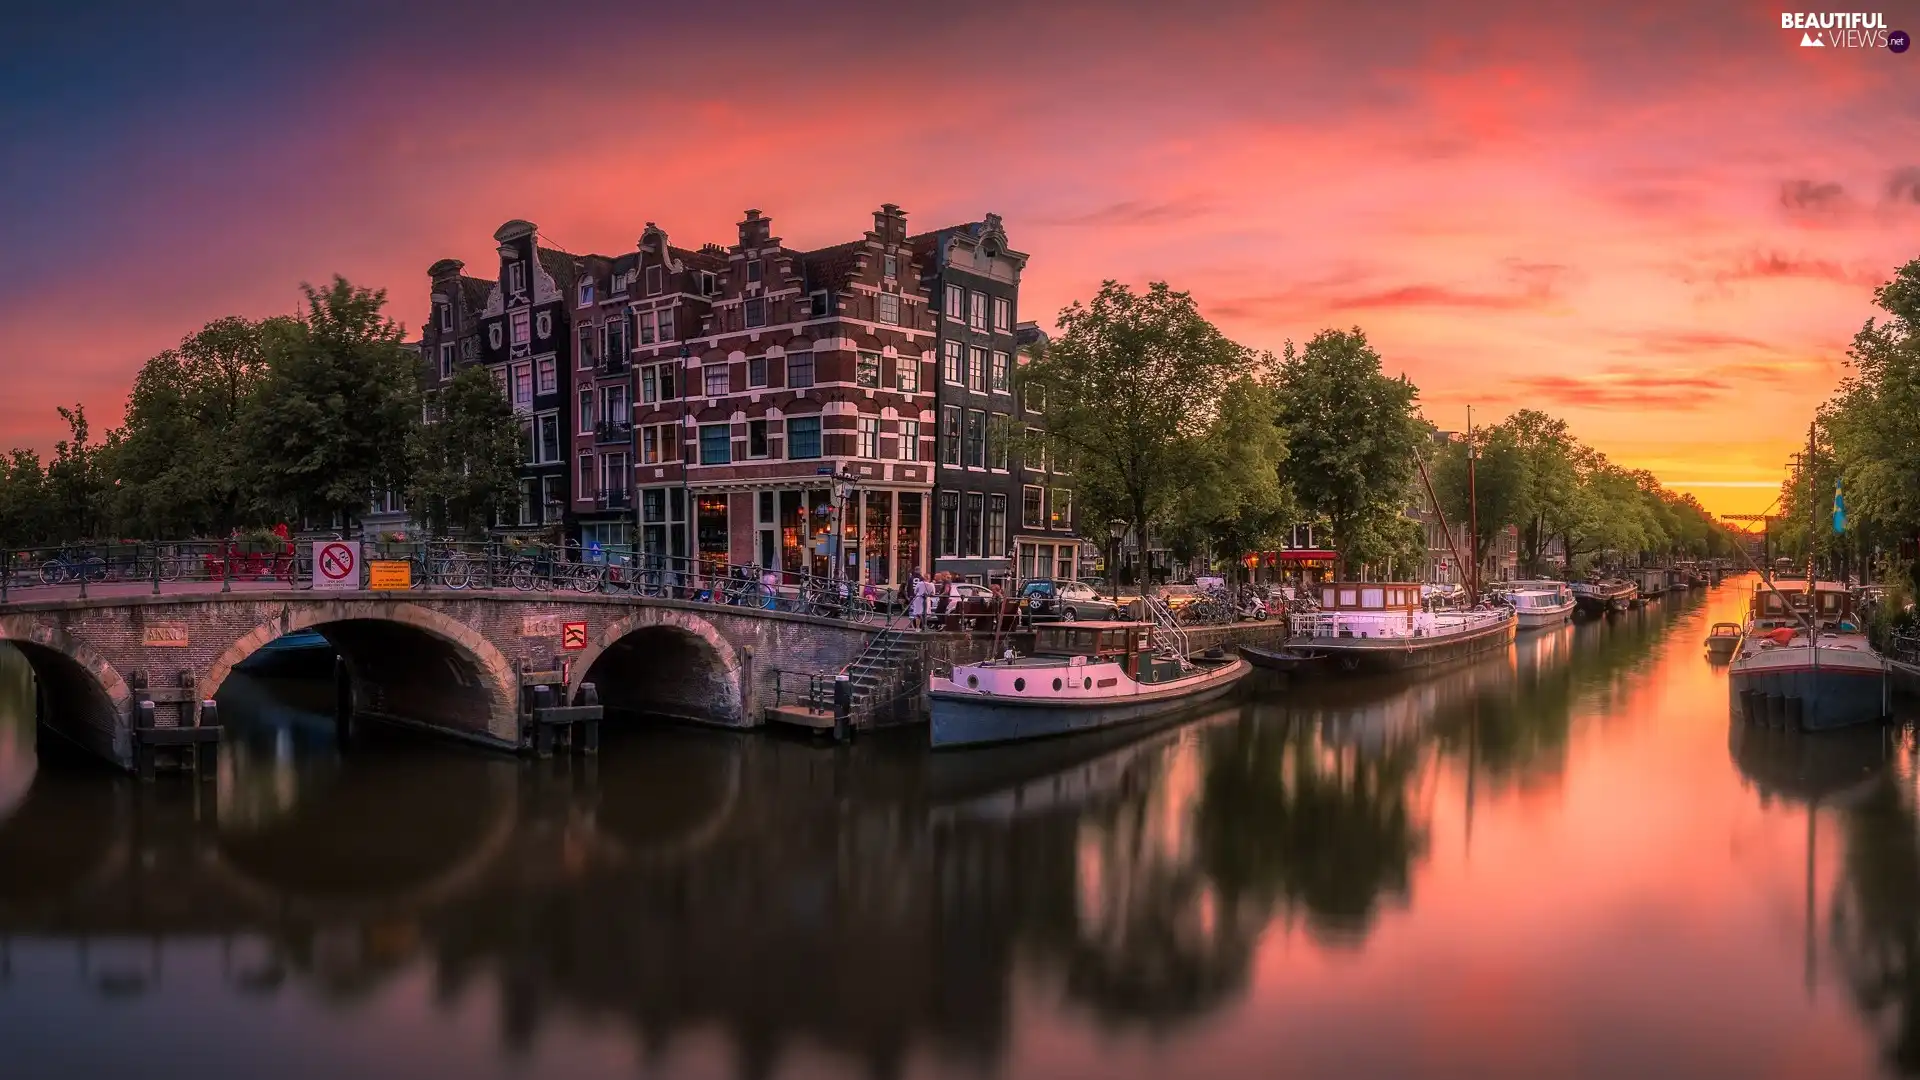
125	568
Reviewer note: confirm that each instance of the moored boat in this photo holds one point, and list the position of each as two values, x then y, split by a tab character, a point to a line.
1283	660
1538	604
1080	677
1597	597
1722	640
1804	661
1379	626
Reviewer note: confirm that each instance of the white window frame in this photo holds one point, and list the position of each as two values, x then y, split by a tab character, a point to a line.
516	276
888	309
522	328
956	308
1002	314
867	432
586	294
587	410
909	448
707	374
559	444
748	307
447	352
588	339
546	370
753	383
976	310
906	374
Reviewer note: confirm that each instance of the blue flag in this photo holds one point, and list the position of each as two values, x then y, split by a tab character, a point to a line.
1839	509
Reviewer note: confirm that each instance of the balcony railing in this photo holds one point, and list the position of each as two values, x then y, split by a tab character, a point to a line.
615	365
613	431
618	499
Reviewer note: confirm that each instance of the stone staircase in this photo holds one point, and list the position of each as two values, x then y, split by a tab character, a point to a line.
876	673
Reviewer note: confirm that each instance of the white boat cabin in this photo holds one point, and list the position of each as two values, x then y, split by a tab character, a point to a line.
1369	596
1128	644
1789	602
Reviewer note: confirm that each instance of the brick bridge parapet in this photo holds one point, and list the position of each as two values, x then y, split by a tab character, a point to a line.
449	661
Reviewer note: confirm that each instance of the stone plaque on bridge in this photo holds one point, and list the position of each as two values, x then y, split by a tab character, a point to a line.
165	636
540	626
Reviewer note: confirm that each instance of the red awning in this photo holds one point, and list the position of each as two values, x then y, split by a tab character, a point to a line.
1306	555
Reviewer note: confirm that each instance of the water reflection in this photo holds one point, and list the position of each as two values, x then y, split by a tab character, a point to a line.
696	902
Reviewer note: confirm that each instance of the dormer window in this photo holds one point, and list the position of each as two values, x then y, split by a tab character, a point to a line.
708	285
586	293
516	276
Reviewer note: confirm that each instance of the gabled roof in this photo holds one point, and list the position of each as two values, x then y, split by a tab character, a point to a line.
474	290
830	267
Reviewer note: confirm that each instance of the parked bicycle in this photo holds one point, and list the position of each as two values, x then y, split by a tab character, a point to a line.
68	567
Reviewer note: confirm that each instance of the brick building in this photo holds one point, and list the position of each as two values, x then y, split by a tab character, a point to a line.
518	325
796	368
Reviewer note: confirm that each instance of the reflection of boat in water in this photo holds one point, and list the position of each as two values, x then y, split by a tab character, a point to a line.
1375	713
1795	765
1009	782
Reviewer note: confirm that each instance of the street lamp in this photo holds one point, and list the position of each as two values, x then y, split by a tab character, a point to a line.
1116	532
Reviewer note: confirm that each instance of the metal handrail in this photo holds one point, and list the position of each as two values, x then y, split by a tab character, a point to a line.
123	568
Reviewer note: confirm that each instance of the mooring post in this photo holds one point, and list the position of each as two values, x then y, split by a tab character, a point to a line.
542	732
590	735
842	706
206	752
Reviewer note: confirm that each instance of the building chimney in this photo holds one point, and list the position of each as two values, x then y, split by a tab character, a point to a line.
755	230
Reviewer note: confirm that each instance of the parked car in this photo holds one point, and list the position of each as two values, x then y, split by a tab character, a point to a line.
1064	601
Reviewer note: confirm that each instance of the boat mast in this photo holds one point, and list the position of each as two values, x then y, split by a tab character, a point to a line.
1434	500
1473	516
1813	501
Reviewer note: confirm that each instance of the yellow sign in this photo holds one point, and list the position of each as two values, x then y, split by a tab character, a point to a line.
165	636
573	635
389	574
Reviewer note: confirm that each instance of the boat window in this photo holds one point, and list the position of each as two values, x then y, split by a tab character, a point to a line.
1349	597
1373	598
1326	598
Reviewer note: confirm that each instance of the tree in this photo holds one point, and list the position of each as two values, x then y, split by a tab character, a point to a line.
465	463
330	422
1552	481
1496	490
75	487
1238	501
23	499
1132	386
182	465
1351	436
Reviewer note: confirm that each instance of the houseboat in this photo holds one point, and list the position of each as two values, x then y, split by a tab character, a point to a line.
1380	626
1080	677
1539	604
1804	661
1597	596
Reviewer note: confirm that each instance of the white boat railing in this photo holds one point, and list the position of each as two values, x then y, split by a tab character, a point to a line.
1394	625
1168	637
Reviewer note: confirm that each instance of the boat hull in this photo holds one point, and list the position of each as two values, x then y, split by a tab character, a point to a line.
1411	654
1785	687
1286	661
1541	618
963	718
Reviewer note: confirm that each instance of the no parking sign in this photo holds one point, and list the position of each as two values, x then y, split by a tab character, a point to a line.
336	564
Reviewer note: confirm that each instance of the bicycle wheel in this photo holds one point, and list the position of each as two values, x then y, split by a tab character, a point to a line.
169	568
454	573
587	578
52	573
521	577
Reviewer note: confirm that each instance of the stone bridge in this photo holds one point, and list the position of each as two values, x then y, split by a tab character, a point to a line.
447	661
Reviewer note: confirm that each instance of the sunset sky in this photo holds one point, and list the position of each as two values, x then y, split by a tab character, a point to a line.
1661	221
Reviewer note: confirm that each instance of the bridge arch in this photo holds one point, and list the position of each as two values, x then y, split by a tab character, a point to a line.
406	661
665	662
81	696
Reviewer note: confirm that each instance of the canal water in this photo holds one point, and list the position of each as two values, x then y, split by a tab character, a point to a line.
1564	861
